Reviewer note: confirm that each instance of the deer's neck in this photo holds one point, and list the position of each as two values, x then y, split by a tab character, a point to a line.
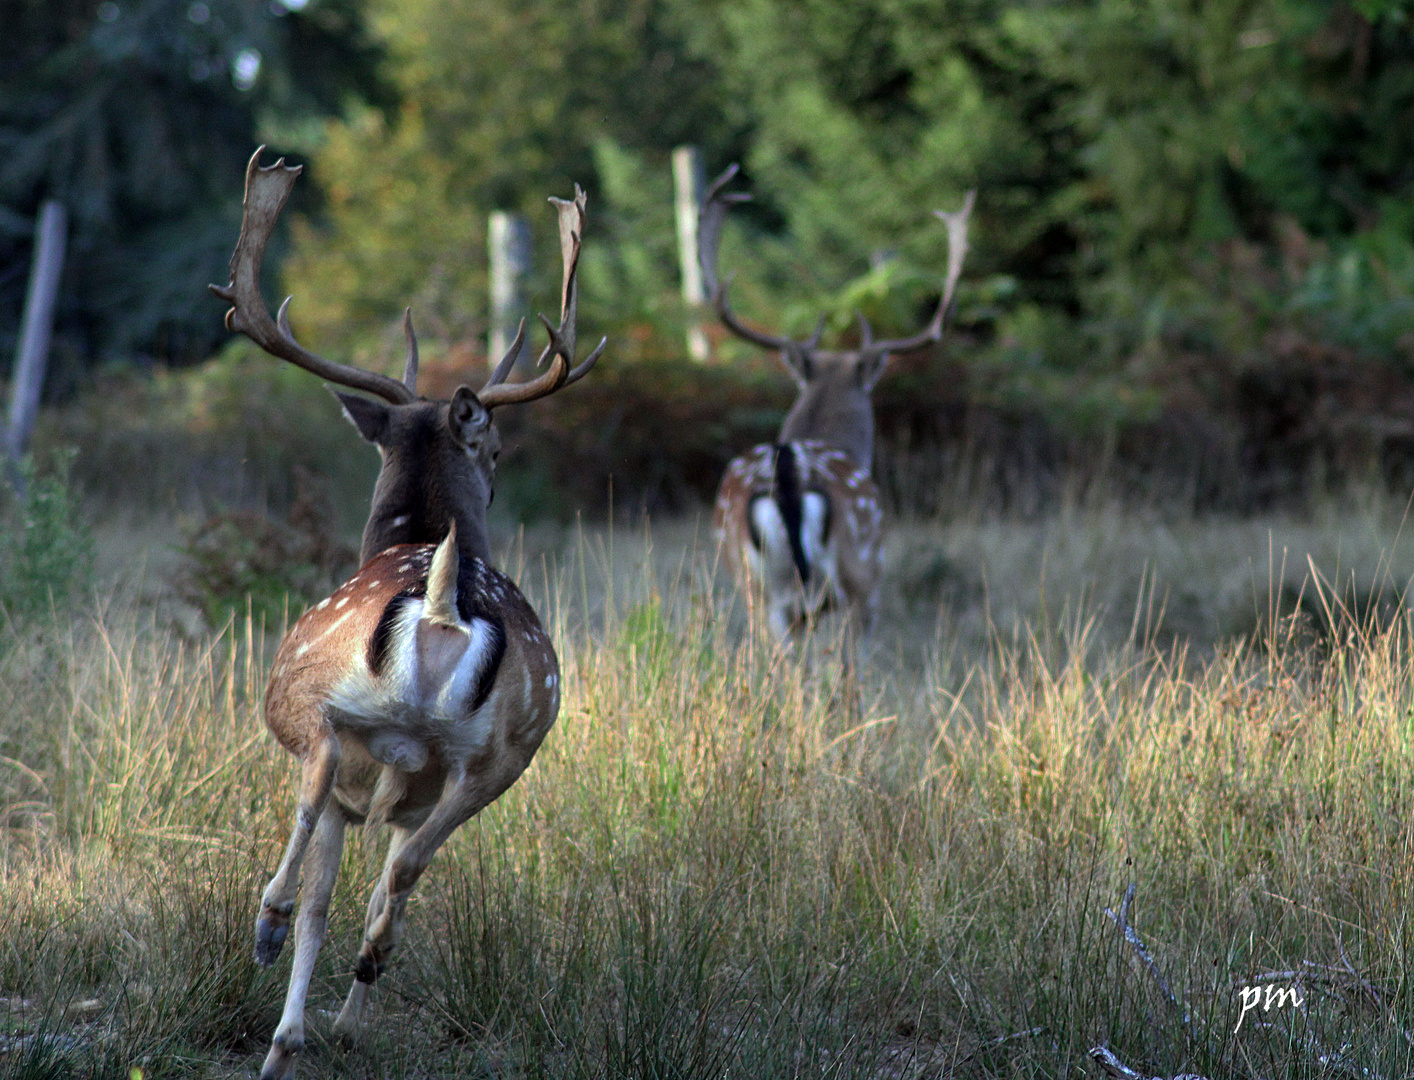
846	424
415	526
404	513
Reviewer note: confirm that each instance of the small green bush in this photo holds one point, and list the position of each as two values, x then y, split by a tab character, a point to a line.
46	548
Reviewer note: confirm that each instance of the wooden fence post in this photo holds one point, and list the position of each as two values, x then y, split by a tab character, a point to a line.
36	328
688	183
508	244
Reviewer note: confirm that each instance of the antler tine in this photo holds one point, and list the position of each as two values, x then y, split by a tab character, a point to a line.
958	247
589	361
866	332
267	189
713	214
715	203
561	346
410	364
508	361
956	221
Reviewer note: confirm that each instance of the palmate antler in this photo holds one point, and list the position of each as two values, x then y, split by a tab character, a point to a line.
267	190
709	234
562	338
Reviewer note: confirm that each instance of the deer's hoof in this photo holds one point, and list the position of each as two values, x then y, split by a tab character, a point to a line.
271	929
279	1063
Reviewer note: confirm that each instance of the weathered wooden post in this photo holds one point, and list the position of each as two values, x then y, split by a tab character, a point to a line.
36	328
688	183
508	244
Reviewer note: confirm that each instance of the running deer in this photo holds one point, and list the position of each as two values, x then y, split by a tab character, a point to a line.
802	516
419	691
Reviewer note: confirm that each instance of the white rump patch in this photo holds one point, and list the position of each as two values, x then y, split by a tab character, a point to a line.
403	689
453	698
773	563
814	513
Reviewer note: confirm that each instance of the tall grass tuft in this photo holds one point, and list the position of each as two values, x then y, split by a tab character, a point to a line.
712	869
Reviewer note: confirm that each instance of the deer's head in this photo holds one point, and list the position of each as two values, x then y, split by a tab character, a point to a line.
832	402
438	457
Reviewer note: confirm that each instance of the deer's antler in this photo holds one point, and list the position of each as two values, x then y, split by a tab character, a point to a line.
715	205
709	234
956	222
267	189
560	348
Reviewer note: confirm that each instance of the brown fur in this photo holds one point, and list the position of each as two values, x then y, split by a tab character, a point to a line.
420	690
297	699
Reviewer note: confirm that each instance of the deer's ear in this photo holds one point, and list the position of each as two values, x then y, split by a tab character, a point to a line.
467	417
870	368
369	416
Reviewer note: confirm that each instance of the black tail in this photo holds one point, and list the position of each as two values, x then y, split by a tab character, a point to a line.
788	499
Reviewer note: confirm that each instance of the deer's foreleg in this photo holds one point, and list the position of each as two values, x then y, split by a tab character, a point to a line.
351	1016
320	769
325	849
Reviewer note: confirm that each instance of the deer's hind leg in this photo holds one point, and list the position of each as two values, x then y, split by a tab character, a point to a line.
324	852
462	796
272	924
346	1027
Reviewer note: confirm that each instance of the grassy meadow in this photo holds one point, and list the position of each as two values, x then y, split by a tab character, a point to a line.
714	869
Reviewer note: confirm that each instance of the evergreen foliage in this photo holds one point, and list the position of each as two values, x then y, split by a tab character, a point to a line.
503	105
1154	175
1151	172
139	115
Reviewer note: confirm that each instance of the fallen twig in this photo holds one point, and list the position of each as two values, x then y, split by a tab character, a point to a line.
1371	992
1112	1066
1132	936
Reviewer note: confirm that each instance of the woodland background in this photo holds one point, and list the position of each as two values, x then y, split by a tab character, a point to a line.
1192	264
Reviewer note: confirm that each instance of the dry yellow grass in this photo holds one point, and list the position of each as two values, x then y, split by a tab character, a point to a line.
710	870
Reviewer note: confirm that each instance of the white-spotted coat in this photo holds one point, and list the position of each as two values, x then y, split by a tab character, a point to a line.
840	534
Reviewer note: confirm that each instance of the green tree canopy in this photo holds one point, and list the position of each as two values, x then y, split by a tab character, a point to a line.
1120	148
503	105
138	115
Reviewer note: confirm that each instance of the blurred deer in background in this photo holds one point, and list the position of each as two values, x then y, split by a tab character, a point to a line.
419	691
803	517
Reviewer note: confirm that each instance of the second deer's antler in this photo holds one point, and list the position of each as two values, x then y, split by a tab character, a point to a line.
709	234
715	205
956	222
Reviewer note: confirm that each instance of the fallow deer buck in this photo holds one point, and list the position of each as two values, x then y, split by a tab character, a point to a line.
419	691
802	517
